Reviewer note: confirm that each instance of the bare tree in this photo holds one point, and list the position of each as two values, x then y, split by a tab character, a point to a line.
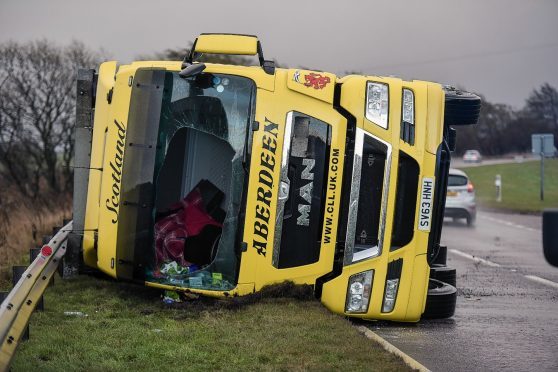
37	100
542	106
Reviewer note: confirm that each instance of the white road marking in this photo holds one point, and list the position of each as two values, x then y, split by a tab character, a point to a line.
392	349
474	258
542	280
533	278
507	223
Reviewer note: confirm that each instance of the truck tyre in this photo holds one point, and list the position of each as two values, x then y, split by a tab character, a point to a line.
440	301
550	236
444	274
441	257
462	108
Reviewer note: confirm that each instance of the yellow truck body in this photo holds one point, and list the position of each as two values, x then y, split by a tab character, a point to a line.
337	186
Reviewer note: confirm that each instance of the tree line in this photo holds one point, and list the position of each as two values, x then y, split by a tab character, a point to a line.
37	115
502	130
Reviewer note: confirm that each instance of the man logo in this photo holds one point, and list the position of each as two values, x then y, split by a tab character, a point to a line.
306	192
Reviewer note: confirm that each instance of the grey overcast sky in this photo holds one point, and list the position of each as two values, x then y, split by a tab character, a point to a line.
500	48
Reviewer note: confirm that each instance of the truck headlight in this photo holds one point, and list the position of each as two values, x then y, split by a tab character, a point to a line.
390	295
408	106
358	292
408	117
377	103
392	285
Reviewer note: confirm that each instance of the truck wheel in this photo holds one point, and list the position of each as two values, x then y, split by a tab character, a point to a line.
441	257
444	274
462	108
440	301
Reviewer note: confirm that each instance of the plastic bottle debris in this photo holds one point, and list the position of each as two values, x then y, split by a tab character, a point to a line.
75	313
171	297
172	268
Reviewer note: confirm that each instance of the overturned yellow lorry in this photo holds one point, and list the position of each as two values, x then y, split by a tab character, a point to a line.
218	180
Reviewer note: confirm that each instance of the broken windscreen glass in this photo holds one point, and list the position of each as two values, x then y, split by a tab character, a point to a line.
198	178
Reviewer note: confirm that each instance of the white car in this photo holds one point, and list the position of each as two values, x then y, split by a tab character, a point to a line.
472	156
460	199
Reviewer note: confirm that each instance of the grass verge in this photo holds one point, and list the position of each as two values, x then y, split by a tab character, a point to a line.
127	327
520	185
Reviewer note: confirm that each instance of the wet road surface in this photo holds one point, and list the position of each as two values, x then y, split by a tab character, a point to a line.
505	318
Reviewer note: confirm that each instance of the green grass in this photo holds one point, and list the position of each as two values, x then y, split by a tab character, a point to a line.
129	328
520	185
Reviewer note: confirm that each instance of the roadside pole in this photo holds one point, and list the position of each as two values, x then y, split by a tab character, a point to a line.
542	172
498	184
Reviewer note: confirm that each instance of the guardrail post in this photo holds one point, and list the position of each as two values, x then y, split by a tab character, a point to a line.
33	253
71	261
17	272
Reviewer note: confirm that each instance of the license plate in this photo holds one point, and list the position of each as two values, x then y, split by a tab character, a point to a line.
425	207
452	193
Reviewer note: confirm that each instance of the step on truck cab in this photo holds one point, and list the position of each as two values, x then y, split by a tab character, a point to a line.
218	180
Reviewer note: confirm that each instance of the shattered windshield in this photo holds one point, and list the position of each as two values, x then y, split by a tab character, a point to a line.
194	218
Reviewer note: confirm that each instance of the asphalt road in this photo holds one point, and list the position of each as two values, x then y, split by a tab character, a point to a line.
506	317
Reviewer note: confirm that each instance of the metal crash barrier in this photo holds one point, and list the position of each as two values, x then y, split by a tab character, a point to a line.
17	307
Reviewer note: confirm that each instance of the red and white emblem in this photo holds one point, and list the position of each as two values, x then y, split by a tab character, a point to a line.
316	81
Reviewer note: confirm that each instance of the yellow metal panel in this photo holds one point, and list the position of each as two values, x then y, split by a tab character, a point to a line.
239	290
105	83
428	133
409	304
271	111
419	289
227	44
116	124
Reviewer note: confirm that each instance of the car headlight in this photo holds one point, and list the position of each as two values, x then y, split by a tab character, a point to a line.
358	292
392	285
377	103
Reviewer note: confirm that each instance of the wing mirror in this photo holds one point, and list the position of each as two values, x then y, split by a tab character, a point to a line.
189	70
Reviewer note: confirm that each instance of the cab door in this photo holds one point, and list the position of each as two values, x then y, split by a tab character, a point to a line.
295	183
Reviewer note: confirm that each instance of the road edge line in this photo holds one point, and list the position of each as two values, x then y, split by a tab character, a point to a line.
540	280
474	258
392	349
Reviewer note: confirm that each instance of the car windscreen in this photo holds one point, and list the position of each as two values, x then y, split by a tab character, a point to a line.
456	180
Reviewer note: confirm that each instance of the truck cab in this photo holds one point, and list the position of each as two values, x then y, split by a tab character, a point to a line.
219	179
